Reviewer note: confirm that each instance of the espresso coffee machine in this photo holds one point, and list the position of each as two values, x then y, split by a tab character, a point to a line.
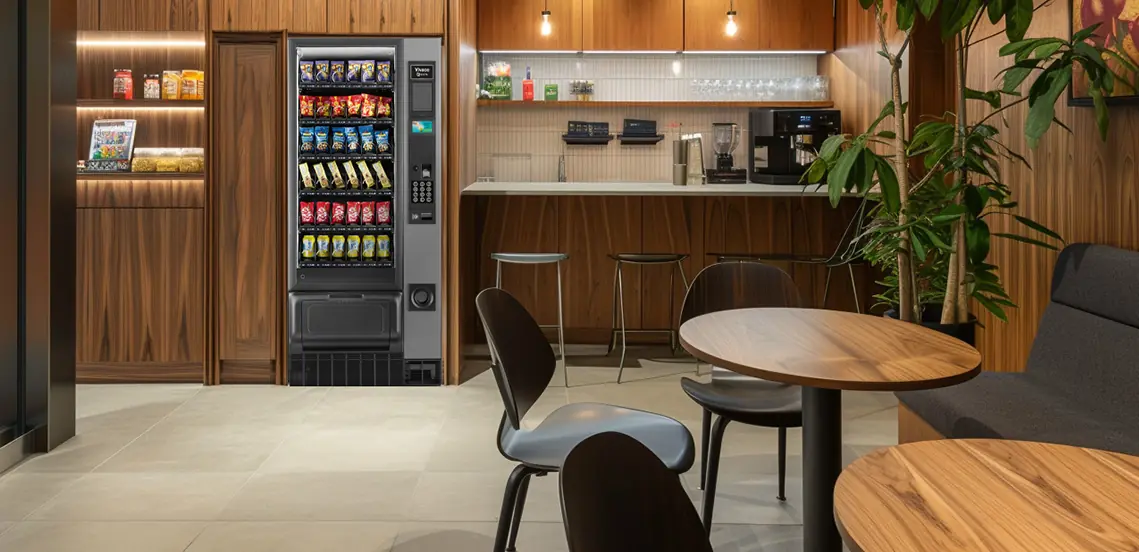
725	140
784	142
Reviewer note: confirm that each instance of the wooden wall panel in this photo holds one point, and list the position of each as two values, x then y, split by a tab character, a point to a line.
409	17
634	25
1085	189
522	225
460	238
308	16
87	15
155	129
143	194
514	25
860	78
592	228
247	181
140	308
152	15
669	225
249	15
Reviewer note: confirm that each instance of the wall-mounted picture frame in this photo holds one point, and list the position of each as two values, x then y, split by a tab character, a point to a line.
1114	17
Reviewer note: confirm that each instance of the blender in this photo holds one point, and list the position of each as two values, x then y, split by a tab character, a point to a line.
725	140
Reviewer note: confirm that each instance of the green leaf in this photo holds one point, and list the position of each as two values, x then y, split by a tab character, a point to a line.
977	241
1101	116
927	7
1018	17
1087	32
974	201
831	146
1042	110
867	3
1018	46
918	247
955	20
934	239
1039	228
993	98
991	307
839	179
997	10
906	15
1015	76
817	171
1047	49
887	183
1027	240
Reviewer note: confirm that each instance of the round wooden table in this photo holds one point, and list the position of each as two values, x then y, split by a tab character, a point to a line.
989	496
827	352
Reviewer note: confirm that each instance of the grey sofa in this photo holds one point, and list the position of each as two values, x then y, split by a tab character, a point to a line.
1081	384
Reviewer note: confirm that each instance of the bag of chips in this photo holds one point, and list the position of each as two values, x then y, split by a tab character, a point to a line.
383	212
321	70
354	103
383	71
368	71
353	70
322	247
353	212
337	71
353	140
338	106
308	108
366	174
368	247
321	139
321	177
307	216
337	247
385	182
308	140
322	208
338	212
350	174
339	141
384	107
334	172
367	144
308	246
306	176
368	105
383	141
306	71
353	247
323	107
367	212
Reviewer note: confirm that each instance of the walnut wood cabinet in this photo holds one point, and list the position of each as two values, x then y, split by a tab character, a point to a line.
407	17
633	25
515	25
146	15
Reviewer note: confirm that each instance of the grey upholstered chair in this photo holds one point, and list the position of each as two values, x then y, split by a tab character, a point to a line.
523	366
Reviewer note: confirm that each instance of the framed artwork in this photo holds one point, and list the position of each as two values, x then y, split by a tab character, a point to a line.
1117	19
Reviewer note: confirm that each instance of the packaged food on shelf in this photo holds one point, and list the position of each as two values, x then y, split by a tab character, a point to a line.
368	70
321	176
337	247
307	215
322	246
385	182
367	212
171	85
368	105
338	212
308	246
144	164
338	106
334	173
306	176
354	103
323	107
306	71
383	141
152	87
353	74
352	139
366	174
353	247
350	174
337	70
308	140
383	212
384	107
321	137
123	85
366	134
191	160
320	68
353	212
322	209
383	246
307	105
193	84
368	247
339	141
383	71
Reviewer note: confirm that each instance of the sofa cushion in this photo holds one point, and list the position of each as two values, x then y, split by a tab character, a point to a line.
1098	279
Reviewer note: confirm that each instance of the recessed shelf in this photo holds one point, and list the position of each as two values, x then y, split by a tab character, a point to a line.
343	228
345	86
345	157
343	263
586	140
577	103
348	121
139	176
347	192
633	140
171	105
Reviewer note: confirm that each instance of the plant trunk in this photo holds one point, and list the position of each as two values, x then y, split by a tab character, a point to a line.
955	308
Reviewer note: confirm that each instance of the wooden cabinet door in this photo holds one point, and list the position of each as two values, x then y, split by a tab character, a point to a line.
515	25
248	15
406	17
308	16
87	15
246	158
634	25
149	15
704	22
800	25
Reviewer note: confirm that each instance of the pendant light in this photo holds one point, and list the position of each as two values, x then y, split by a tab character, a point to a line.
731	28
546	28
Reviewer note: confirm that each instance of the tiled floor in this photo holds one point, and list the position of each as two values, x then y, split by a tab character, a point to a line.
160	468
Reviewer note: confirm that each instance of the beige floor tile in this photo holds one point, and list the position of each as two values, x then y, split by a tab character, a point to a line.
100	536
464	445
22	493
352	450
473	497
142	497
296	537
243	405
169	448
455	537
82	453
757	538
339	496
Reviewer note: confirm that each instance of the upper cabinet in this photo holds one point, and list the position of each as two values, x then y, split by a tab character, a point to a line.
516	24
404	17
705	20
308	16
634	25
144	15
798	25
249	15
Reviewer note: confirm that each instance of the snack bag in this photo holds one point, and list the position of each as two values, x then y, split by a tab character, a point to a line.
321	139
306	71
383	212
334	171
322	208
320	68
306	176
339	142
338	213
308	246
353	140
337	247
383	246
384	107
307	216
366	134
367	212
338	106
366	174
353	247
350	173
368	105
353	70
385	182
368	71
383	71
323	107
308	140
308	109
322	247
354	103
321	177
383	141
353	212
368	247
337	71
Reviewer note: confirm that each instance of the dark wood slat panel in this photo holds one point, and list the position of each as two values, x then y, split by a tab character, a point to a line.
97	66
247	183
138	372
247	371
87	15
460	240
669	225
523	225
139	290
592	228
140	193
152	15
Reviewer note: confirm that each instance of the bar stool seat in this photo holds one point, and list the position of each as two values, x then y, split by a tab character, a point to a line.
675	259
536	259
648	258
529	258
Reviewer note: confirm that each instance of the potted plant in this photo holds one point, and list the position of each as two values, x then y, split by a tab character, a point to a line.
933	190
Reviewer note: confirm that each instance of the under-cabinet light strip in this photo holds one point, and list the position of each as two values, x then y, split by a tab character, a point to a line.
142	43
665	52
140	108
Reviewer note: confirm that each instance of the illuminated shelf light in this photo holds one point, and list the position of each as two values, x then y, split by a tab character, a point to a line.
141	43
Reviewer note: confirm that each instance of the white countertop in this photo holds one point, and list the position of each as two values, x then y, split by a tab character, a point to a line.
640	189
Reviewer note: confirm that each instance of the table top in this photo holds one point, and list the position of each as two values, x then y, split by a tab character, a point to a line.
640	189
830	349
989	496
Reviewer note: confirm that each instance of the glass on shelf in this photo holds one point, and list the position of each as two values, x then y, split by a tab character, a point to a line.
171	160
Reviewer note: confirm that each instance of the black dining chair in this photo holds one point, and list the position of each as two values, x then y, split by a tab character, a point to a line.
729	396
617	496
523	365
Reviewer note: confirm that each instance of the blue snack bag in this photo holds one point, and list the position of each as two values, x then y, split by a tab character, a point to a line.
308	140
383	141
321	135
367	143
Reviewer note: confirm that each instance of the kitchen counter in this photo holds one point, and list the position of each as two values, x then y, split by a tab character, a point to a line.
639	189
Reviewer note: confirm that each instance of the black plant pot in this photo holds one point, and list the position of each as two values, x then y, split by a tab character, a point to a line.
931	318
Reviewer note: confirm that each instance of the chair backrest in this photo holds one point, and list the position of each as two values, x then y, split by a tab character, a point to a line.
853	239
523	361
738	285
617	496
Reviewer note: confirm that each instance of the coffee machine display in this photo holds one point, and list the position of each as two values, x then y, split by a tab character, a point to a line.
784	142
725	140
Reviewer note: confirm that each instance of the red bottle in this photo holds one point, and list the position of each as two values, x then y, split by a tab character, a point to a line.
528	87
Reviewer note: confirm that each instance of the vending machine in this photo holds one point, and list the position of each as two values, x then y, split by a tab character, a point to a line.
366	158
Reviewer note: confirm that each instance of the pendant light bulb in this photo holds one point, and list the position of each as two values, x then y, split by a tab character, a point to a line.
731	28
546	28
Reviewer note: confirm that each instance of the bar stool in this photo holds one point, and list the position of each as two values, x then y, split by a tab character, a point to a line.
675	259
535	259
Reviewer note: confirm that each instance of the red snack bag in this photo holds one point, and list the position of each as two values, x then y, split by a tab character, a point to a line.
338	213
367	212
322	208
339	106
383	212
353	212
368	105
323	107
354	103
307	108
306	213
384	109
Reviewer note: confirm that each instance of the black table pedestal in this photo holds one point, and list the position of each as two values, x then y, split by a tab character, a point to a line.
822	463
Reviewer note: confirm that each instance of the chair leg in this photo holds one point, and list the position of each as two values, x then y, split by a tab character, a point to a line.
854	288
621	305
498	274
562	329
516	519
713	458
613	324
705	435
827	287
671	309
509	504
782	464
